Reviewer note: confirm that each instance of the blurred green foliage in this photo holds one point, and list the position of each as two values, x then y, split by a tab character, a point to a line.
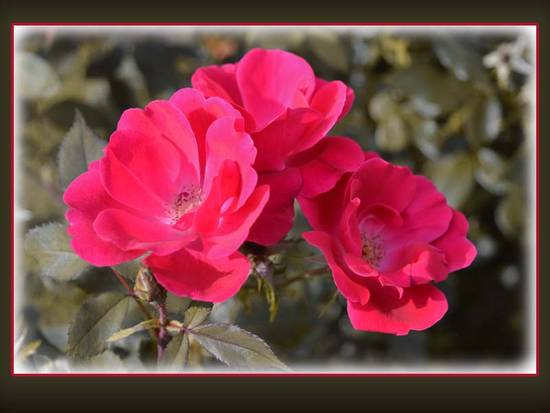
453	107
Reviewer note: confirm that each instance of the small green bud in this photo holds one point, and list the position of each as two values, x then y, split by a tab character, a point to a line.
146	287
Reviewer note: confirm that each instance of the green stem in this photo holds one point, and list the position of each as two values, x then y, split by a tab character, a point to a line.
146	313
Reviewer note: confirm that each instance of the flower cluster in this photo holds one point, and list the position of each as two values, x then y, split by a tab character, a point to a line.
184	182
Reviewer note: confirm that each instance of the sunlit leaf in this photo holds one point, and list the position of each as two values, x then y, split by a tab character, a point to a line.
395	50
35	77
79	148
96	321
484	122
454	176
144	325
50	245
329	48
391	135
509	214
28	350
236	347
491	171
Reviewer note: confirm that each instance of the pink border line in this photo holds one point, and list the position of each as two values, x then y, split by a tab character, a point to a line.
458	24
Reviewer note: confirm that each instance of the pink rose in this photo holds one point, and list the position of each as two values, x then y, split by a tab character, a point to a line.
387	235
287	111
176	181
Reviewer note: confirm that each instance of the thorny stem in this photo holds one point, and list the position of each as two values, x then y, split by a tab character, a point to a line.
305	275
163	335
144	310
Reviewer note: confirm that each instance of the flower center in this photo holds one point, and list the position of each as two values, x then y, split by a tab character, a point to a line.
184	202
373	249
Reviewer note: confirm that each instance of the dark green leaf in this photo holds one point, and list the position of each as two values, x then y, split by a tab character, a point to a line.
176	304
96	321
431	92
49	244
236	347
79	148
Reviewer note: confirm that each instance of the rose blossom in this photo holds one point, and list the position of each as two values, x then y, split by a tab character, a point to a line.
287	111
176	180
387	235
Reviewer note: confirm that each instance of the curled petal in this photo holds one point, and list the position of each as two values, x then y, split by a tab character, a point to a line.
320	210
191	273
218	81
376	182
162	120
270	81
224	141
459	251
416	264
418	308
234	228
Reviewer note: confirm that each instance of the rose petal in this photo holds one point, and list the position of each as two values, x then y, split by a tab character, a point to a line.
419	308
379	182
128	231
191	274
351	287
459	251
277	216
324	164
269	82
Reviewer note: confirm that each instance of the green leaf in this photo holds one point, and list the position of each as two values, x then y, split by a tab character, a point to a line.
329	48
144	325
129	269
484	123
236	347
29	350
95	322
177	351
79	148
50	245
431	92
391	135
454	176
491	171
510	214
176	304
196	314
463	61
35	78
